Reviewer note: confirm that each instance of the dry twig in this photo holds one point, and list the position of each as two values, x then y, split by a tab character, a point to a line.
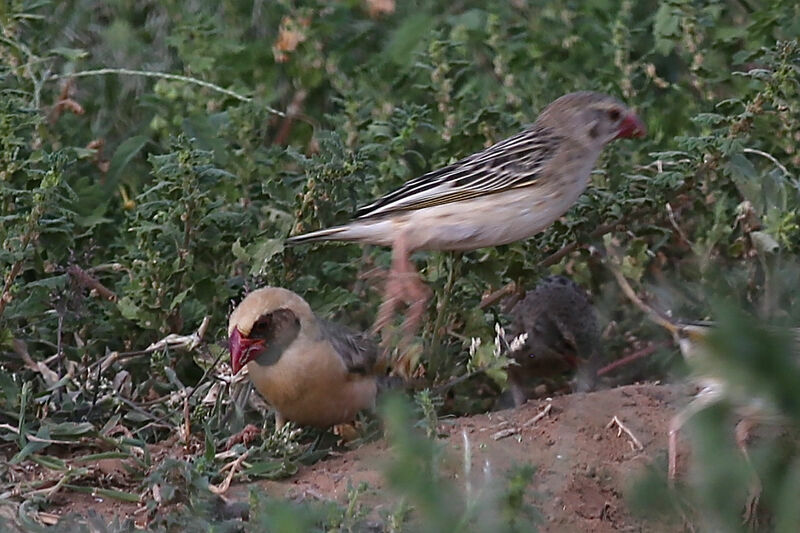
543	413
88	281
654	315
554	258
223	487
638	354
503	433
635	443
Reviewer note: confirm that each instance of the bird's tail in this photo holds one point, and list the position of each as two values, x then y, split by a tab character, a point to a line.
368	232
337	233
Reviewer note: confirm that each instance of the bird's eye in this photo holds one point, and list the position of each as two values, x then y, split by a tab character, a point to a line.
614	115
262	326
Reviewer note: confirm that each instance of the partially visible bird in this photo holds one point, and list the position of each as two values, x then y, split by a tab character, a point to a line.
715	386
504	193
562	335
312	371
692	338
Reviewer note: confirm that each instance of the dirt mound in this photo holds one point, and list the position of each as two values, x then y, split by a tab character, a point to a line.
583	465
584	462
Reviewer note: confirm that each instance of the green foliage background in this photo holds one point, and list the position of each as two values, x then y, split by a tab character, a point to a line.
309	109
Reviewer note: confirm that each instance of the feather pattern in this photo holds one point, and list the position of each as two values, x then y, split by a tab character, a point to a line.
357	350
512	163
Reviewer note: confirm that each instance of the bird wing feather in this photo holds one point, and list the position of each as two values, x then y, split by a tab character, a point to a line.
512	163
357	350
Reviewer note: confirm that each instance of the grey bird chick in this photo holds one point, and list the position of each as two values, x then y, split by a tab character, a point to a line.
563	335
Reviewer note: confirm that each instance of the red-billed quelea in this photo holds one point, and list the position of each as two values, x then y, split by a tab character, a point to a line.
507	192
313	372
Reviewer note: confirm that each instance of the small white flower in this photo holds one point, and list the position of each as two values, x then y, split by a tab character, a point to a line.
498	338
474	344
518	341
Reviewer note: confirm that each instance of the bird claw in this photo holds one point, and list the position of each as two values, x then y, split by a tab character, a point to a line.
346	432
750	516
245	436
385	312
406	288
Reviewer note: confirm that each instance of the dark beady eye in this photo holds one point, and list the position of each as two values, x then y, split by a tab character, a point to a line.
614	114
274	323
262	327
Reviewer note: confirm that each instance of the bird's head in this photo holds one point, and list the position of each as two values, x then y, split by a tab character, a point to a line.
692	338
593	118
266	322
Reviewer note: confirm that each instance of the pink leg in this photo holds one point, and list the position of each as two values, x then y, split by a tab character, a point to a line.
402	285
245	436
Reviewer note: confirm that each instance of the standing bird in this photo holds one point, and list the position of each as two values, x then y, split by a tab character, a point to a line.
562	335
507	192
312	371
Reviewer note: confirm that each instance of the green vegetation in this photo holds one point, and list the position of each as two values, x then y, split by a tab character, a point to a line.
154	155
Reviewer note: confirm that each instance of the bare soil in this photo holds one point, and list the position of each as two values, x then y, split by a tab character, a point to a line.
584	466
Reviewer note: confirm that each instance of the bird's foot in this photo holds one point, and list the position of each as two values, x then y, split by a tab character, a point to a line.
402	288
750	516
245	436
346	432
406	363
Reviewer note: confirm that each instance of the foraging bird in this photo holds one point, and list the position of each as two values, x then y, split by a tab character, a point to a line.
312	371
715	386
562	334
507	192
692	338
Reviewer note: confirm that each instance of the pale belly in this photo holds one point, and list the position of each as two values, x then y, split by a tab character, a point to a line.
313	391
491	221
337	404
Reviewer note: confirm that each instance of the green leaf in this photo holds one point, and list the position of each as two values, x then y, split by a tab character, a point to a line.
70	54
666	28
70	429
29	449
179	298
409	36
262	252
271	469
747	180
108	493
123	155
53	463
239	252
128	308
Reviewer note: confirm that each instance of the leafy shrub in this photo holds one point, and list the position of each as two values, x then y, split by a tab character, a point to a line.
140	199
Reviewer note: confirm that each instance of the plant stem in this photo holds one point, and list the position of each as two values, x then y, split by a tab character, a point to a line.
16	268
436	339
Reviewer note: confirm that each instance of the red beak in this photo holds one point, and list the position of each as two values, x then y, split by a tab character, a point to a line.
243	350
631	126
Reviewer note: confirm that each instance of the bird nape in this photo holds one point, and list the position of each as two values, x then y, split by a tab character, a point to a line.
507	192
